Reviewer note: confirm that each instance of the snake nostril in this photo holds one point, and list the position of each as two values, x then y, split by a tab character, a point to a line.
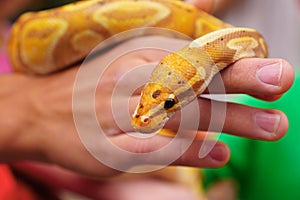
145	119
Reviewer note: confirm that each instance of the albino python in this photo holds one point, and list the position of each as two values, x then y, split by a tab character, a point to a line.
47	41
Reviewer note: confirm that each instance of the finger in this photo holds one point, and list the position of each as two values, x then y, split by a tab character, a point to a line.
217	157
211	6
188	153
262	78
239	120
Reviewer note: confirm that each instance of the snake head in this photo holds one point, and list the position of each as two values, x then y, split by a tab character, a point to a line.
157	105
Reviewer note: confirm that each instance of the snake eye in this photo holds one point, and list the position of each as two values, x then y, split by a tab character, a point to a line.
169	103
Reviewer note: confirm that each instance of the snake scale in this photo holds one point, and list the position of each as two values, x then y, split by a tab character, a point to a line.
47	41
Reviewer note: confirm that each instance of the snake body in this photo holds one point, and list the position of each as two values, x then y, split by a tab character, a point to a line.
47	41
182	76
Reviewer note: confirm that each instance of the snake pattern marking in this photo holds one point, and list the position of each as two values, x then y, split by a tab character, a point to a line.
48	41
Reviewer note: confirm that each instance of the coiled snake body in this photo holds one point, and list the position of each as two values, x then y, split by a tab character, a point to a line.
47	41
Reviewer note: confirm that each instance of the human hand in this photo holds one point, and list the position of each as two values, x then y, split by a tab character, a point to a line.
38	120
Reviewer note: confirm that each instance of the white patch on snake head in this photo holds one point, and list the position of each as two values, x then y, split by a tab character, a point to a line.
244	46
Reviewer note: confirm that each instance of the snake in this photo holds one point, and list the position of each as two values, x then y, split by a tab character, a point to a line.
48	41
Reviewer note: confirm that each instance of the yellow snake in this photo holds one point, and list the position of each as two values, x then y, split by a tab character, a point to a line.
47	41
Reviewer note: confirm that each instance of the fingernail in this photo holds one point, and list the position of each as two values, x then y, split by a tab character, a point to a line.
267	121
270	74
218	153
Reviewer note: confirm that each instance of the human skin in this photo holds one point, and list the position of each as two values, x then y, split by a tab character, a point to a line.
37	121
37	124
211	6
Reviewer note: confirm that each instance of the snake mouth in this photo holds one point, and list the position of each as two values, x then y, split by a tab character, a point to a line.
149	126
147	129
